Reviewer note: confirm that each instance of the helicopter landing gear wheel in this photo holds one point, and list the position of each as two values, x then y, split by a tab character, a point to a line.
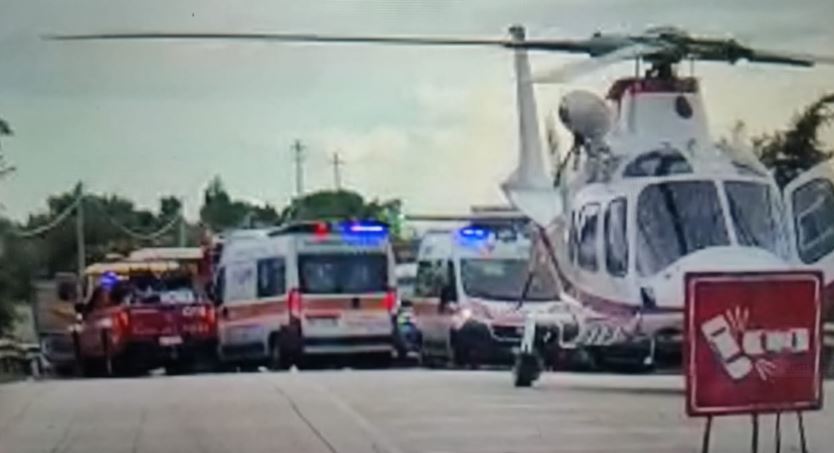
527	369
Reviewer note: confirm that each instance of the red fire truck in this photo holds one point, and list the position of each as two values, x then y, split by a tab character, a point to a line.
147	311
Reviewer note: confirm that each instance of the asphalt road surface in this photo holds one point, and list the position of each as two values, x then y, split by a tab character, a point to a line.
384	411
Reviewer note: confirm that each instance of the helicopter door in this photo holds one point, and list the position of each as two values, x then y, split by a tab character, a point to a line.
810	202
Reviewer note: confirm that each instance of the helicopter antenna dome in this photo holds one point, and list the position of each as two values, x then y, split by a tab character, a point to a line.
585	114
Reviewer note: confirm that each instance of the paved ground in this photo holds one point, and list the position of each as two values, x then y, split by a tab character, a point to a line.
396	411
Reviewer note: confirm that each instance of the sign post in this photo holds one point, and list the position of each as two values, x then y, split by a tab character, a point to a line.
753	346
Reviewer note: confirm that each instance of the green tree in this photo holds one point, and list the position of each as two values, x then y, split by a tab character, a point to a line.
108	220
17	267
343	204
790	152
220	212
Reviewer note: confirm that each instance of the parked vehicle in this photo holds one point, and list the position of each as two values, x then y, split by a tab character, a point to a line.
147	311
306	290
475	287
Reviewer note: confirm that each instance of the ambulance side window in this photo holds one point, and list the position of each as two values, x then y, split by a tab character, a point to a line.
429	279
587	237
271	281
616	239
241	282
813	205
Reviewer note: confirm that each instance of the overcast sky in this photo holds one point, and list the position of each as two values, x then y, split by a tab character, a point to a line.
432	126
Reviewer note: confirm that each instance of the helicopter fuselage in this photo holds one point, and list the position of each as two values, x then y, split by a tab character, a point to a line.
657	199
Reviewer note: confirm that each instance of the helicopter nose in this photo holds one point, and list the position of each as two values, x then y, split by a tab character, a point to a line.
668	287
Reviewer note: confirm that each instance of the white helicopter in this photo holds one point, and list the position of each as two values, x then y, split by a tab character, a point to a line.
645	194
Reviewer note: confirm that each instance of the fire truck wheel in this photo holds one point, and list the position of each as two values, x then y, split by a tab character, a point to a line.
93	368
174	369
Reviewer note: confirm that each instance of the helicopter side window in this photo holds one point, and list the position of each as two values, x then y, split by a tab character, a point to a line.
661	162
616	238
814	219
756	216
572	237
587	236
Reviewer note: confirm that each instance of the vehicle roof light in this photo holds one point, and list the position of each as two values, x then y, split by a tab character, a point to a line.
321	229
108	279
364	227
472	232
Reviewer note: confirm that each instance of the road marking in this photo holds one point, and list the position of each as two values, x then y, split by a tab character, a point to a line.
304	419
379	441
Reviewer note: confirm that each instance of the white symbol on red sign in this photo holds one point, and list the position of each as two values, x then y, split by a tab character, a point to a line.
756	349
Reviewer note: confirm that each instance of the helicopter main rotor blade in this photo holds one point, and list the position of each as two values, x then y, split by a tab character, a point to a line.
791	58
572	46
568	72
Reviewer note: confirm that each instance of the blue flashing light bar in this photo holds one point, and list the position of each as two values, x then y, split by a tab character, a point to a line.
473	232
371	228
108	279
361	228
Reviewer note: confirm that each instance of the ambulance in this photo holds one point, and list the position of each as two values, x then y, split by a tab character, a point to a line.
468	302
308	289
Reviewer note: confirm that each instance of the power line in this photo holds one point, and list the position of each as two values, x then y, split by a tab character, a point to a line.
49	226
175	220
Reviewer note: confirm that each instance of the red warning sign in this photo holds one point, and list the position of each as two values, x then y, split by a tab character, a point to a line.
753	342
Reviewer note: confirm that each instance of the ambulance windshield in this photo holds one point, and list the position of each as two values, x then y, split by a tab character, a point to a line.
504	279
343	273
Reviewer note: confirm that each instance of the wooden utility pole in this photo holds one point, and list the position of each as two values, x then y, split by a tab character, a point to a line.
337	170
79	237
298	160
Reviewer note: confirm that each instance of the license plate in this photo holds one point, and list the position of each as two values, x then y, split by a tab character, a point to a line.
323	322
172	340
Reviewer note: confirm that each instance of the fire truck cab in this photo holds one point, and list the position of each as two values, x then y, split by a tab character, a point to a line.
306	289
143	312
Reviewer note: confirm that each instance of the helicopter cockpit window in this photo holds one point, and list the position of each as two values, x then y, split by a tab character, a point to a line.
675	219
756	216
661	162
616	239
587	237
813	205
573	242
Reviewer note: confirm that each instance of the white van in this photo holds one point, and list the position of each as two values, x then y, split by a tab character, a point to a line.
305	289
468	295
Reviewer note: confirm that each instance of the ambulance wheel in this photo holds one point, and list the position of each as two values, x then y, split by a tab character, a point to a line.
279	359
526	370
462	357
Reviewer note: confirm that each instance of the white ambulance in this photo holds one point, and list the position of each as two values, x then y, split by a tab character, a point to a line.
468	295
306	289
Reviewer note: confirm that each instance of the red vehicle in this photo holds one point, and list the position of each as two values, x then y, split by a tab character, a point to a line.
145	312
